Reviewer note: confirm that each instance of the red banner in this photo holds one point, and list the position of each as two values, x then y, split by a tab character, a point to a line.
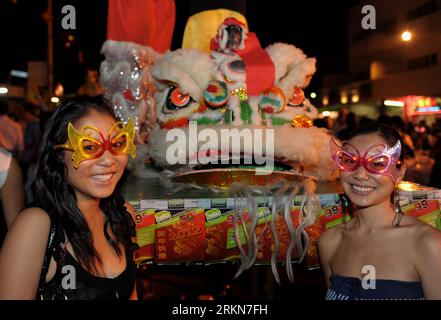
145	22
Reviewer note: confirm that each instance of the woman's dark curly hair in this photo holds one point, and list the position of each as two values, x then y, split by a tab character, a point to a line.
53	191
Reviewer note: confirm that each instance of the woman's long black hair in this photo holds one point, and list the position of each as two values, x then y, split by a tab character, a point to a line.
53	191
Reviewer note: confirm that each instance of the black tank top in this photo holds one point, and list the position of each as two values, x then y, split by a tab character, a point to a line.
87	285
72	282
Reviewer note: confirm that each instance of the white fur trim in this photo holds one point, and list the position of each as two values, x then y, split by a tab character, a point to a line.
210	114
298	75
303	147
186	67
283	56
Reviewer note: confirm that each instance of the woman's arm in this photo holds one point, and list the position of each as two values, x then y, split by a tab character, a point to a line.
324	258
22	254
429	262
327	245
12	193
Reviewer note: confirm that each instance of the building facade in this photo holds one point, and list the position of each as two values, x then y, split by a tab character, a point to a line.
386	63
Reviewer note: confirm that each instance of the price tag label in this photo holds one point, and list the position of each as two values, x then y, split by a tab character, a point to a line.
427	211
145	218
424	207
331	216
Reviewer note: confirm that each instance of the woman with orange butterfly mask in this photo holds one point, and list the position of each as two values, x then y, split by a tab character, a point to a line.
76	240
380	253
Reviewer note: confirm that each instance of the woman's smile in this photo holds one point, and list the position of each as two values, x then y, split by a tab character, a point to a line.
104	178
361	190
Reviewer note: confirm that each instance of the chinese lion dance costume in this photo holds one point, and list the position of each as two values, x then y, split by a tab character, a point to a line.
238	85
219	90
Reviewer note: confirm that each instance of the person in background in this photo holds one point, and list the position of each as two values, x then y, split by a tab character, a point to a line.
31	135
399	125
321	123
79	218
421	169
92	85
409	161
11	190
11	133
380	253
435	175
340	122
351	122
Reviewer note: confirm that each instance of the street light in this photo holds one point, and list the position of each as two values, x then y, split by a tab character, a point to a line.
406	36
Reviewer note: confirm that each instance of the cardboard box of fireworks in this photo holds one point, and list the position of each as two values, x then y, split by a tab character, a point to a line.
205	230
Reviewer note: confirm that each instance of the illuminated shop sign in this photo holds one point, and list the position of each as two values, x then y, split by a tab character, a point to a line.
416	105
427	109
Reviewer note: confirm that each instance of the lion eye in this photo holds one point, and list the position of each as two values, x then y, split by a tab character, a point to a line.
176	99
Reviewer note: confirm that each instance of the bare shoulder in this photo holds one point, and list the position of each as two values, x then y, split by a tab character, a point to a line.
420	230
428	238
330	239
22	254
30	226
424	238
328	244
332	234
32	218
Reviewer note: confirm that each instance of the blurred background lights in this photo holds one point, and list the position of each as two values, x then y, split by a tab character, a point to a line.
406	36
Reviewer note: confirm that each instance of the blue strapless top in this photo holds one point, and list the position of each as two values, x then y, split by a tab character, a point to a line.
350	288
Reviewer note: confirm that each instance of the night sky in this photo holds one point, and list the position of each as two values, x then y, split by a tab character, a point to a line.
317	27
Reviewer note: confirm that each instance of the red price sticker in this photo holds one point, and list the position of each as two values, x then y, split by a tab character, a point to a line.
423	207
330	216
145	218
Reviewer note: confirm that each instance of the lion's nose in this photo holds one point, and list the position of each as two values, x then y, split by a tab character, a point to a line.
237	66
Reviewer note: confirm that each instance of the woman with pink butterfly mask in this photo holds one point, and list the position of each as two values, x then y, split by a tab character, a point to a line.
75	242
378	253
